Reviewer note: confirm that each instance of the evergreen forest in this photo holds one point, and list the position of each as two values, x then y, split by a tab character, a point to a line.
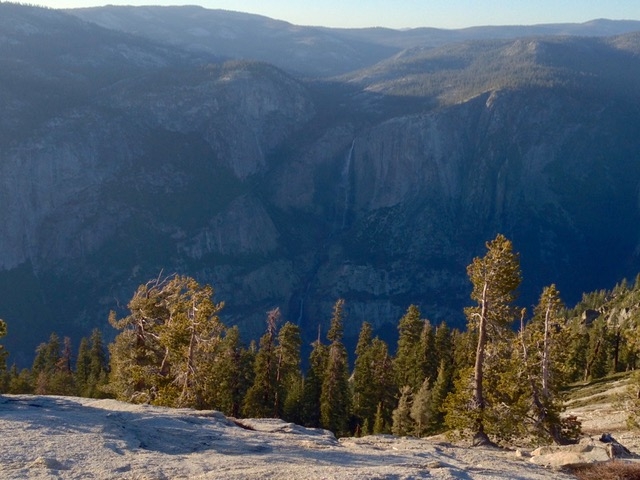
500	379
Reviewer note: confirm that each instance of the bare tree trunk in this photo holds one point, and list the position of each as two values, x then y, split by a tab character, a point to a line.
545	353
587	371
480	437
186	385
535	394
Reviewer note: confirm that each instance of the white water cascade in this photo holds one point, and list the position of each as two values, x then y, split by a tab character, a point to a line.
346	184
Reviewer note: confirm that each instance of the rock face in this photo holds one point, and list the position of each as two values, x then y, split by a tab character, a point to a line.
47	437
122	158
589	450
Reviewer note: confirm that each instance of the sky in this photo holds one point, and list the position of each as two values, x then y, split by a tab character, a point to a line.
404	13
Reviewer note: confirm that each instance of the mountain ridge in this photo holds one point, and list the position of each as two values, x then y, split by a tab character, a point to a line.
281	190
308	50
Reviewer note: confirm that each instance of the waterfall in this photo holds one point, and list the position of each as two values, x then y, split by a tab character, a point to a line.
300	314
346	183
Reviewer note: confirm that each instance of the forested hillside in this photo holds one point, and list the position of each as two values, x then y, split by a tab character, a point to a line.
126	156
499	380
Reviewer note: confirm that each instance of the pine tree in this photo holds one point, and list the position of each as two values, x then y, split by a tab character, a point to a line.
366	430
91	373
98	366
409	364
137	355
335	395
364	390
429	354
441	388
231	376
167	344
260	400
383	379
20	382
61	381
45	364
3	358
293	407
542	359
191	336
577	350
444	345
421	409
82	368
288	375
312	387
403	424
379	423
597	355
495	279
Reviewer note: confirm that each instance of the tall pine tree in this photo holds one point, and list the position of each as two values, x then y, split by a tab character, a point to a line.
495	279
260	400
410	361
312	386
335	395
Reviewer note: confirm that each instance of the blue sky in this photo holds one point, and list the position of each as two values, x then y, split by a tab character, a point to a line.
406	13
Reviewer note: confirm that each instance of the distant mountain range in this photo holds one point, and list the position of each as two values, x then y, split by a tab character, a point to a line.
310	51
289	166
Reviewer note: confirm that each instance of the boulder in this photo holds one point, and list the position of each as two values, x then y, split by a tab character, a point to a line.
571	455
589	450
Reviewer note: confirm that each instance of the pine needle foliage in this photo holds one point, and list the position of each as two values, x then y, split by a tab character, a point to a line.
335	395
166	344
495	279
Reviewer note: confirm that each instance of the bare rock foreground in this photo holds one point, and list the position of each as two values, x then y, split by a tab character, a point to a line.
44	437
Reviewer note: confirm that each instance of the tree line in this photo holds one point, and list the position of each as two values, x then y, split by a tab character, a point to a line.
500	379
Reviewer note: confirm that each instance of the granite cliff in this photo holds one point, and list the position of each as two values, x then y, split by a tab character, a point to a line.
122	157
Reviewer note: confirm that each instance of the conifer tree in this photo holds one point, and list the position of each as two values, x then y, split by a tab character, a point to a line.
288	375
364	399
542	358
403	424
167	343
91	373
383	378
231	376
597	352
429	354
45	364
61	382
3	356
464	349
379	422
20	381
443	345
312	386
82	367
335	395
373	380
495	279
409	364
421	409
293	407
361	373
191	336
366	429
260	400
441	388
137	364
577	349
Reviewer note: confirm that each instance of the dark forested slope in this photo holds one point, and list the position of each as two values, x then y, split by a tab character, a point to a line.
121	157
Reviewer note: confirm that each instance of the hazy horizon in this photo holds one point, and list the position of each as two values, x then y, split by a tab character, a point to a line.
405	13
